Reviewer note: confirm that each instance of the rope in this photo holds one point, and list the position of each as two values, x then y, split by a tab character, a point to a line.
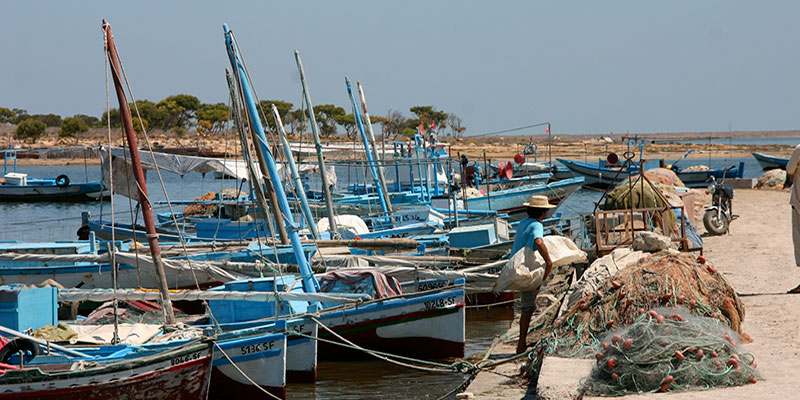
458	366
491	305
249	379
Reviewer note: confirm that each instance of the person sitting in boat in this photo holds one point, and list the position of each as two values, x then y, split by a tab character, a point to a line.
530	233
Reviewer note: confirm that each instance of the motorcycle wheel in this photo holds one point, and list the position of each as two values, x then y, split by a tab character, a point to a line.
715	225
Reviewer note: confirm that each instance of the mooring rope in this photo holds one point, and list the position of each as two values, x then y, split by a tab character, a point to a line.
244	374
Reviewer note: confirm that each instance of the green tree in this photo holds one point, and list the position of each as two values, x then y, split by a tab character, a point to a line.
88	120
116	120
348	122
19	115
30	129
71	125
326	118
296	120
139	123
284	107
48	119
212	117
148	111
6	115
179	111
428	115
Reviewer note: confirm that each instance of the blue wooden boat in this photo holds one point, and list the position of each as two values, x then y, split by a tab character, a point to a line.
510	201
17	187
602	176
770	162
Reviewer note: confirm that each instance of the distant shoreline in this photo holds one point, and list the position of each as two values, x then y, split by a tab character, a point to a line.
495	148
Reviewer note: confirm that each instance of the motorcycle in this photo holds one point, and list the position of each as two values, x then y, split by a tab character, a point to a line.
718	216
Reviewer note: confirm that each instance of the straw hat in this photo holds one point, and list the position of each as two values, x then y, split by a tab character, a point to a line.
538	201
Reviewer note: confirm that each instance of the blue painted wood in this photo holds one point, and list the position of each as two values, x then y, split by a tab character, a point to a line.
770	162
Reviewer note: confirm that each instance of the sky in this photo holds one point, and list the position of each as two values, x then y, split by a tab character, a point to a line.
588	67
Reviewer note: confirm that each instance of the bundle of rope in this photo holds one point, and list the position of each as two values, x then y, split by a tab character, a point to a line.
668	349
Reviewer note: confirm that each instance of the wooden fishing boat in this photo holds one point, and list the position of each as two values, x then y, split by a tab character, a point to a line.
602	176
179	373
510	201
770	162
17	187
428	325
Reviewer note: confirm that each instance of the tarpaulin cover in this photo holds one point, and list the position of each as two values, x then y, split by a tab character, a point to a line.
371	282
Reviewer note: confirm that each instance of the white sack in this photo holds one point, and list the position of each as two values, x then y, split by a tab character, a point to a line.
525	269
600	270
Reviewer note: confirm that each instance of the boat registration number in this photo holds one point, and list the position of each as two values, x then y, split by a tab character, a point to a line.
257	348
439	303
186	358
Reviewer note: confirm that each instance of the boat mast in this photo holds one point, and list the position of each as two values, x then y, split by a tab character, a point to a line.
375	179
298	185
257	188
382	166
326	192
138	173
310	284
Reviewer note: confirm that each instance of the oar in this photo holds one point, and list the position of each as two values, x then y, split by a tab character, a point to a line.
684	156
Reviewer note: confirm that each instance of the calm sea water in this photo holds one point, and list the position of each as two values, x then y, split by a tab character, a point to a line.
758	141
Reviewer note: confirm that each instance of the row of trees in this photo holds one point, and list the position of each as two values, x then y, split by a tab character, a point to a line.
181	113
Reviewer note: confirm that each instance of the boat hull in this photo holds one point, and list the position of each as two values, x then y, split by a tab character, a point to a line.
768	162
175	375
427	326
261	357
511	201
51	192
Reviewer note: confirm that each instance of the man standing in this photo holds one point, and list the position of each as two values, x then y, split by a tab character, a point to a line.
793	181
530	232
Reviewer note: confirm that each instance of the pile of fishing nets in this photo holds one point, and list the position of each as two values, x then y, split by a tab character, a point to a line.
772	180
664	279
668	349
664	176
204	210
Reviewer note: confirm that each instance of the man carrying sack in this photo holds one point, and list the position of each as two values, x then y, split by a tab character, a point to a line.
529	237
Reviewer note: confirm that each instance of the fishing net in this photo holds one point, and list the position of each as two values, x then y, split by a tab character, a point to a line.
201	210
665	279
637	194
205	210
668	349
772	180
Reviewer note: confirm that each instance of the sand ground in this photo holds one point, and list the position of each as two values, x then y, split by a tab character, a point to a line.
757	259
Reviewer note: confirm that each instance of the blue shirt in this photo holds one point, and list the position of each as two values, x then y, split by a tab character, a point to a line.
528	230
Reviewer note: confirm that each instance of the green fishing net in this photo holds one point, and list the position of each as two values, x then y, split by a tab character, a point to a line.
668	349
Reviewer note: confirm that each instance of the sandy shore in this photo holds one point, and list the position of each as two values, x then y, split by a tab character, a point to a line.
757	259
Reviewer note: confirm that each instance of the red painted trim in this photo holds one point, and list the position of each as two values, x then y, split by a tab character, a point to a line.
109	389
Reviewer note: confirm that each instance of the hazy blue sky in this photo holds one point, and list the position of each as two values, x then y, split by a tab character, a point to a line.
587	67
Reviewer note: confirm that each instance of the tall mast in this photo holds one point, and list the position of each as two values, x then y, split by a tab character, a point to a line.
258	189
326	192
376	180
381	175
310	284
138	173
298	185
